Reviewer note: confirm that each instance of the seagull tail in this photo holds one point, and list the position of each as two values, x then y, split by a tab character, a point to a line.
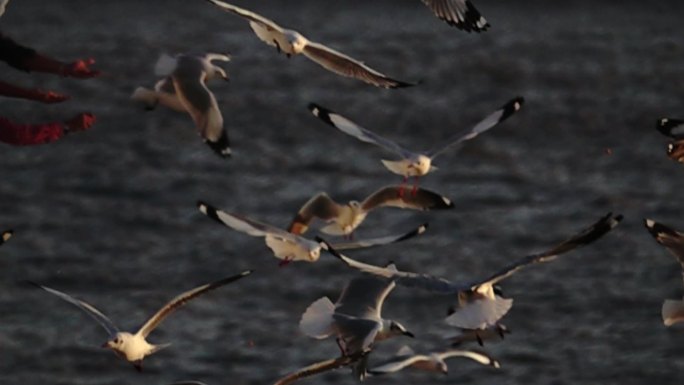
673	312
145	96
159	347
317	320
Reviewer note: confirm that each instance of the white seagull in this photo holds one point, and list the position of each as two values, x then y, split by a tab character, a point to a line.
673	310
292	42
480	303
184	88
5	236
292	247
413	164
133	347
461	14
673	128
355	318
345	218
431	362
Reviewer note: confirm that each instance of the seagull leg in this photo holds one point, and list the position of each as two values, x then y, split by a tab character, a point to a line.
479	339
277	45
138	365
402	186
415	185
500	330
339	345
285	261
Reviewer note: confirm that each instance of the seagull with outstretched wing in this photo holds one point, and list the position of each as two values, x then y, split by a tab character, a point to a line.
133	347
291	42
480	303
413	164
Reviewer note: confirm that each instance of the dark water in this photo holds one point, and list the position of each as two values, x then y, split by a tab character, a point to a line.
109	215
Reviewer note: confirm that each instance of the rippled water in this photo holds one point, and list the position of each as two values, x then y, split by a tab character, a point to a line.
109	215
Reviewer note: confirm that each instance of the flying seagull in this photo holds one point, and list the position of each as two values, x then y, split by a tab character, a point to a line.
413	164
355	318
431	362
184	88
133	347
461	14
5	236
345	218
673	128
293	247
480	303
673	241
292	42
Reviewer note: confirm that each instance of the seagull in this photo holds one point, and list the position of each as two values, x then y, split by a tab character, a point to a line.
431	362
413	164
345	218
480	303
461	14
5	236
673	128
133	347
673	310
355	318
292	42
292	247
183	88
316	368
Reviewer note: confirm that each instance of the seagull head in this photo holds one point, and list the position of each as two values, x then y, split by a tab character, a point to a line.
296	40
118	342
420	165
315	252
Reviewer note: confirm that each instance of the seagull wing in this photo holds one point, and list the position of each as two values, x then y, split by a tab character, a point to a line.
490	121
404	278
397	363
391	196
483	358
356	335
316	368
182	299
373	242
350	128
584	237
102	319
5	236
189	82
674	128
344	65
461	14
246	225
249	15
320	206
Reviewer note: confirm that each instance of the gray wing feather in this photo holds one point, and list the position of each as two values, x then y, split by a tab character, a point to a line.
396	364
363	296
584	237
458	13
95	314
344	65
490	121
350	128
251	16
374	242
320	206
184	298
390	196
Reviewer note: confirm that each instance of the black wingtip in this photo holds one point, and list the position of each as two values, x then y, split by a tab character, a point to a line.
321	113
511	107
666	126
401	84
221	146
657	229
